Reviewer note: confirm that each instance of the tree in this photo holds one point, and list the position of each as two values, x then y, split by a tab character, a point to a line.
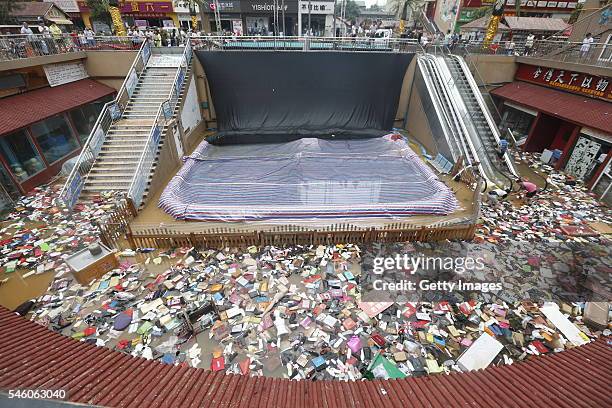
397	6
375	7
6	6
99	11
352	10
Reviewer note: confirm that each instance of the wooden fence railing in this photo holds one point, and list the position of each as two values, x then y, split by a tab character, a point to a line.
295	235
115	226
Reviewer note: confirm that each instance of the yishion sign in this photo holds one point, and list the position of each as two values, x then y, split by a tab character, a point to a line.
267	6
577	82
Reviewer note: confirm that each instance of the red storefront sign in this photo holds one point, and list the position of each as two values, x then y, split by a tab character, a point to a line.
570	81
146	9
138	8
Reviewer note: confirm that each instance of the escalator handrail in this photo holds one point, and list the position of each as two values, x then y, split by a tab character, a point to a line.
457	119
460	118
492	161
486	114
450	132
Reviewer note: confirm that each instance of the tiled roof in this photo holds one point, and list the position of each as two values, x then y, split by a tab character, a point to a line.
480	24
31	8
535	24
582	110
24	109
31	356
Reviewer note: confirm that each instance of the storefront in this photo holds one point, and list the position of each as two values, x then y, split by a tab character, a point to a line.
231	18
320	17
472	9
258	17
183	13
563	114
149	14
41	129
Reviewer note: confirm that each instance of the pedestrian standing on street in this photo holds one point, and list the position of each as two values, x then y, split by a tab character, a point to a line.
89	36
510	47
27	31
503	148
529	43
586	45
158	39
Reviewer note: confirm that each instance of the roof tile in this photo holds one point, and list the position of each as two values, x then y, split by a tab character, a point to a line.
44	358
575	108
22	110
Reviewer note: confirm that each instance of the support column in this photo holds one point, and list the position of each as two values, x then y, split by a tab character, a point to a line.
299	21
568	149
530	136
600	170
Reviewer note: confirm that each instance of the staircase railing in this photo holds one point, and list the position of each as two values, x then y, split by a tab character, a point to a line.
164	115
111	112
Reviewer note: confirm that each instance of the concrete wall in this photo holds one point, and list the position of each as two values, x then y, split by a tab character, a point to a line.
418	125
39	61
167	162
402	105
204	95
492	69
109	67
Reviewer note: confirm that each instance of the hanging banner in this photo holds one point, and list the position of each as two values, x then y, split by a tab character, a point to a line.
97	141
130	84
146	53
167	109
73	191
156	136
115	112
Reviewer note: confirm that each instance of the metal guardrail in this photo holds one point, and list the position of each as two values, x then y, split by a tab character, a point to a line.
14	47
597	54
164	115
111	112
218	43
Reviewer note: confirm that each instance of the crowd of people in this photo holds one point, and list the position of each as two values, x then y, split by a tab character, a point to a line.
49	38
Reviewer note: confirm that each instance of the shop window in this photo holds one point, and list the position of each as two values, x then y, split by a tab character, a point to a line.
606	51
54	138
518	121
85	117
21	155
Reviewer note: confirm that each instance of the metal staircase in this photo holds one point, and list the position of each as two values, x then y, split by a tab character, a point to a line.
122	150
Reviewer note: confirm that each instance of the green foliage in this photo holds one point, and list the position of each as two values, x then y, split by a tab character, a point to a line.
6	6
99	11
352	10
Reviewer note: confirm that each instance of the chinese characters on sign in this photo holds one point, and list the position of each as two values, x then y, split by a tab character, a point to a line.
577	82
316	7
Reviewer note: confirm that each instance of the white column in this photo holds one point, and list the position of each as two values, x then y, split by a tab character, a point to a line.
299	19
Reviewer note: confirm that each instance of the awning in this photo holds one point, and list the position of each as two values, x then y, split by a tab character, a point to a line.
22	110
578	109
62	21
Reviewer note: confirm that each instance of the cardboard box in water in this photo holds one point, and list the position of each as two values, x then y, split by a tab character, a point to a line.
86	267
480	354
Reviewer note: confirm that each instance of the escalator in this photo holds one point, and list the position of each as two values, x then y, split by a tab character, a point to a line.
465	121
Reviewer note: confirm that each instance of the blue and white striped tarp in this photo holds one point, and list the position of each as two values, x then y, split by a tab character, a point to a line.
306	179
